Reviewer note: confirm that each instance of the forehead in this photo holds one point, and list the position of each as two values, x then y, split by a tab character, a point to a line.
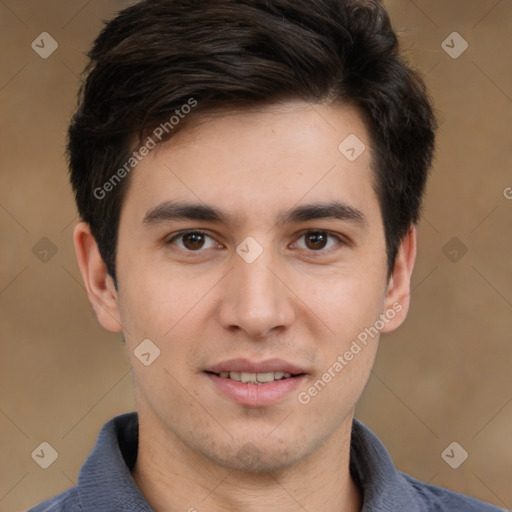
254	162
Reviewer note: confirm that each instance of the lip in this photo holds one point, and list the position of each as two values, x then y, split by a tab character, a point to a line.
244	365
256	395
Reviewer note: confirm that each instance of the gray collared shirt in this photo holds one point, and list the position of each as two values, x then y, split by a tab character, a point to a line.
105	483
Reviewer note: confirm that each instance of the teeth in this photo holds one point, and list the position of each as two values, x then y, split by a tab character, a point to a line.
255	378
265	377
249	378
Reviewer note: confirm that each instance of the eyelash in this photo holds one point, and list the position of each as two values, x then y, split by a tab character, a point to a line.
179	235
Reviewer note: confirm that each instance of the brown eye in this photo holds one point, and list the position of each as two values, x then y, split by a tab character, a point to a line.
316	240
192	241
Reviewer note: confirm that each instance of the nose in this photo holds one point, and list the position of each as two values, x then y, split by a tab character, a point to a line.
256	298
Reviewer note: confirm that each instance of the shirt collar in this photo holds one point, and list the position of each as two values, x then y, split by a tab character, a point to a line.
384	489
105	481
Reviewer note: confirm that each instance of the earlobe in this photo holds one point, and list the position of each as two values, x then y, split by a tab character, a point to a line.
98	283
397	298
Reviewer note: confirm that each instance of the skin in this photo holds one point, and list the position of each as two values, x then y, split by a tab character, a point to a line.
201	307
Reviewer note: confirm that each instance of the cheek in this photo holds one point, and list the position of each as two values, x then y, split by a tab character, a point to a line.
348	304
155	302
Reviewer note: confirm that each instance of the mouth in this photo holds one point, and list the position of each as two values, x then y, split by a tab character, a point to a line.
255	378
256	384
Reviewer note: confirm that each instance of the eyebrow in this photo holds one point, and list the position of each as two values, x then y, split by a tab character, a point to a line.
176	210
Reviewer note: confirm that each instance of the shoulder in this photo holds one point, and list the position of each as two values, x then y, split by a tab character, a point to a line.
64	502
439	499
386	489
104	481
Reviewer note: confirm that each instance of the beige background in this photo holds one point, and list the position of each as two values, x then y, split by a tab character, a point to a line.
444	376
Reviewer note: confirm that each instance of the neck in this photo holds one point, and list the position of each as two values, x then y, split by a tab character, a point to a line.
173	477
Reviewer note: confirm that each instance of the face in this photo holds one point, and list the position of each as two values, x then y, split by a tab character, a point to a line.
252	249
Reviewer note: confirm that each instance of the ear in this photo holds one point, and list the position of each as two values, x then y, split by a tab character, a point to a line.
98	283
396	302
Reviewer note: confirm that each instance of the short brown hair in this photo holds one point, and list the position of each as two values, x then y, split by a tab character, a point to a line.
157	55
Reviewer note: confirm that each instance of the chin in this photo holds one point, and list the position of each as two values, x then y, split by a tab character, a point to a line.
259	455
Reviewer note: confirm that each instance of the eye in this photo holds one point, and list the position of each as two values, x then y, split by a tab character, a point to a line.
192	240
318	241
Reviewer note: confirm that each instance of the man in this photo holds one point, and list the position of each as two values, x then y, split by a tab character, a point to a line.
249	175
